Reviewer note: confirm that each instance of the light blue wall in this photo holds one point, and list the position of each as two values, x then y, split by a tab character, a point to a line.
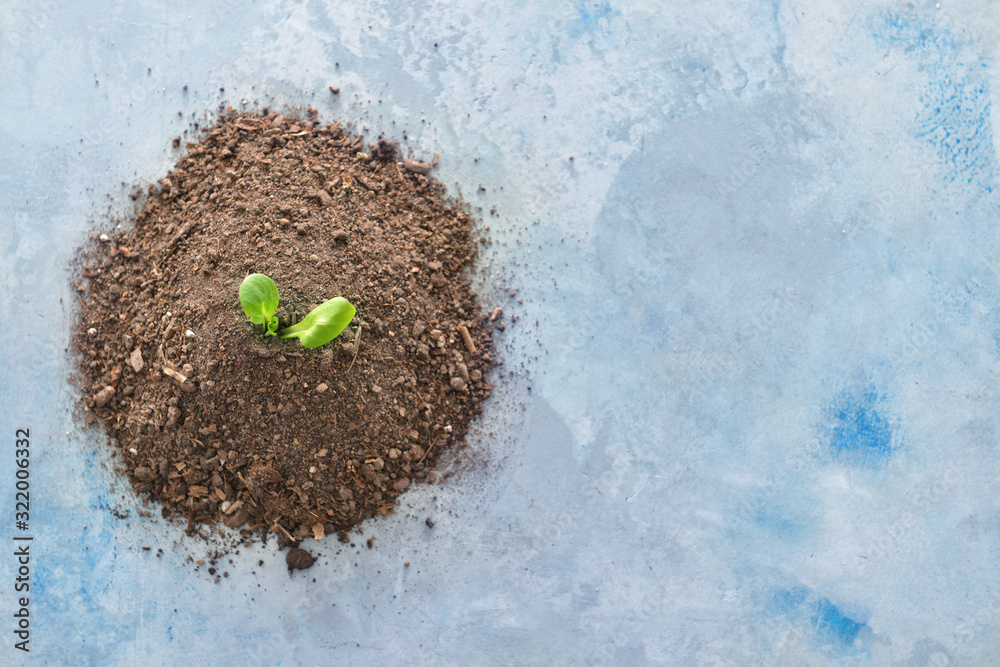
754	424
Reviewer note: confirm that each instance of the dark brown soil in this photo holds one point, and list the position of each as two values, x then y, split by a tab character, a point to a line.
224	425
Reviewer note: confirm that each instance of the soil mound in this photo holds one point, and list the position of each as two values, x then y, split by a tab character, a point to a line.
222	424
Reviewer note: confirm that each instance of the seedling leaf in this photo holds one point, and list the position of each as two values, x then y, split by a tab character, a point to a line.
259	299
324	323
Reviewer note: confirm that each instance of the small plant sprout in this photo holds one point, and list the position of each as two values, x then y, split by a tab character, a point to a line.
322	324
259	298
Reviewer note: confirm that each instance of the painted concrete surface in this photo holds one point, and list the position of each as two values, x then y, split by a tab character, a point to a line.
747	414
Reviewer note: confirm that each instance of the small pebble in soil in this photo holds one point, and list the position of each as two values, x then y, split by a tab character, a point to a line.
104	396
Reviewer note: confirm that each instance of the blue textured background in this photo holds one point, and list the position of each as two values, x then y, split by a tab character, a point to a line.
755	422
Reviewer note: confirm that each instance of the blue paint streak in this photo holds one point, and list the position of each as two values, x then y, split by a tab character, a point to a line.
594	18
833	626
859	431
956	114
836	633
778	525
956	118
788	600
601	10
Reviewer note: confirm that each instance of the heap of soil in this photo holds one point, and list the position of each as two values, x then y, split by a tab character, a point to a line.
223	424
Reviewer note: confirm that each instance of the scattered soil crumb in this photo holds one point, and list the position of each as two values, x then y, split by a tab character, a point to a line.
223	425
298	559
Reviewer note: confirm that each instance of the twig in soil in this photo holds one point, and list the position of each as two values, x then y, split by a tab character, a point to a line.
185	228
357	348
428	450
180	377
469	345
282	528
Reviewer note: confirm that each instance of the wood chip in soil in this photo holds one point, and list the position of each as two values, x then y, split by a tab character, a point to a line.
223	425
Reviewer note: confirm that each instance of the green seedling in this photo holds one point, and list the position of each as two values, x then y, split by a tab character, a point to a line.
259	298
322	324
